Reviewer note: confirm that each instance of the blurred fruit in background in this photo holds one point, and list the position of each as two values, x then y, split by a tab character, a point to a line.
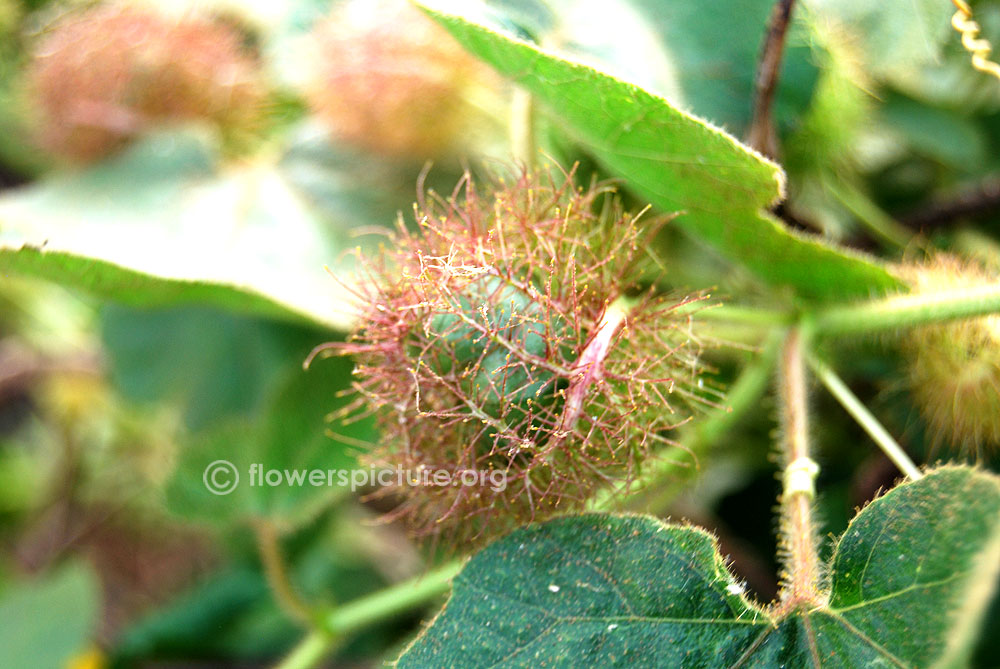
390	81
102	75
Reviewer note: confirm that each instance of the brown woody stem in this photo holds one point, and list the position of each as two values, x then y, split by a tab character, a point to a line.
762	135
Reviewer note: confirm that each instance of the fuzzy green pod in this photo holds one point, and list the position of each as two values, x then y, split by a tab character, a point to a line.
505	336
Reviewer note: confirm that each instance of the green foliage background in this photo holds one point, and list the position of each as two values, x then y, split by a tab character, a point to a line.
158	305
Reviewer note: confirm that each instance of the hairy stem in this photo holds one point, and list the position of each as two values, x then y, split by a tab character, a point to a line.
904	311
762	135
865	418
269	548
382	605
800	580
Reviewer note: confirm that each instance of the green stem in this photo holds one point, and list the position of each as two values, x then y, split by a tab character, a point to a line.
352	616
879	223
865	418
392	601
904	311
269	548
310	651
753	316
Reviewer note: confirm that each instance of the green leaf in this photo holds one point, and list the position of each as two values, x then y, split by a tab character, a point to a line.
611	35
47	622
715	46
679	163
165	223
949	137
908	579
915	569
211	364
194	621
289	437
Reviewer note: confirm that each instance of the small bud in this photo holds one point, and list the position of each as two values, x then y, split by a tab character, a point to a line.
103	75
392	82
954	368
500	338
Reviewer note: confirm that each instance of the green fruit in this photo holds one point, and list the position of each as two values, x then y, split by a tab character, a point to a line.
954	368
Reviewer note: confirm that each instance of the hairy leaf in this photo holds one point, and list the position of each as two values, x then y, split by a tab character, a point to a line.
605	590
715	46
679	163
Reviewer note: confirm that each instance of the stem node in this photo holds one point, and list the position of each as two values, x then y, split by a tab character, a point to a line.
800	477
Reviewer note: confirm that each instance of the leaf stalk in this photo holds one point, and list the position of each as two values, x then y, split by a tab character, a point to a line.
801	577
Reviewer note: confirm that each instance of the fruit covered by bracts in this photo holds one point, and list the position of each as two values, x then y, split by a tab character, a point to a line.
102	75
505	335
954	367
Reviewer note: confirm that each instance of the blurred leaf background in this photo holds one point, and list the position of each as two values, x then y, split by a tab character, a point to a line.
158	302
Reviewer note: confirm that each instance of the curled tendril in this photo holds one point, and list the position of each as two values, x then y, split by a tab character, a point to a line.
980	49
